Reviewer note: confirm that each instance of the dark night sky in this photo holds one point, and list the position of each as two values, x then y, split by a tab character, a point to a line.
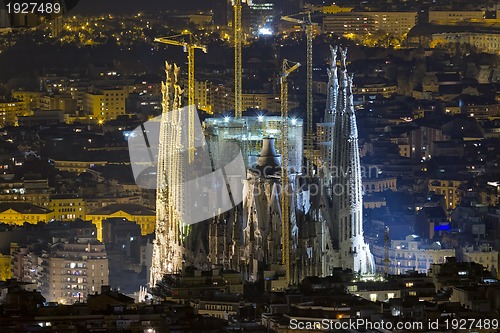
133	6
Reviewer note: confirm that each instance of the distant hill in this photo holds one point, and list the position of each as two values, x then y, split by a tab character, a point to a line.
93	7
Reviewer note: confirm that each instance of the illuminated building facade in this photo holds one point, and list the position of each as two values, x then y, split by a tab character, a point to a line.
141	215
5	271
360	23
247	239
17	213
449	188
453	16
105	104
73	271
326	225
248	133
10	110
67	207
341	173
168	249
411	254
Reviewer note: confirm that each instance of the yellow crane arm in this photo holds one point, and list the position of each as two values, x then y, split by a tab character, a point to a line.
165	40
305	21
185	44
293	20
291	69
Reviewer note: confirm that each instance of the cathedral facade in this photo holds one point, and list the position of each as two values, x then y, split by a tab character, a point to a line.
326	217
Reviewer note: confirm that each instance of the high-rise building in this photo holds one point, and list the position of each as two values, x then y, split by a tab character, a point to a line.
259	16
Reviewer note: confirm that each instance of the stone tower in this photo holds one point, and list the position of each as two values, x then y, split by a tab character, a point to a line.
341	171
168	249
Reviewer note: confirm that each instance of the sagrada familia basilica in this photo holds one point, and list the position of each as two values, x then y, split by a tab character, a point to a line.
325	217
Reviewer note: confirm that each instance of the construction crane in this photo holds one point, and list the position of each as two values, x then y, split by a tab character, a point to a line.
308	26
238	40
288	67
387	261
187	41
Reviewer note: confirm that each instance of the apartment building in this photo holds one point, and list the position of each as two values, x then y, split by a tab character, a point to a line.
394	23
72	271
10	109
410	254
448	188
105	104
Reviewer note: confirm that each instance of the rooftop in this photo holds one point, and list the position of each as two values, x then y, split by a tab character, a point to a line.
132	209
429	29
23	208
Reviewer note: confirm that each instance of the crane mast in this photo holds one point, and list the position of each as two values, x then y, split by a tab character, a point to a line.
387	261
189	46
288	67
309	100
308	26
238	37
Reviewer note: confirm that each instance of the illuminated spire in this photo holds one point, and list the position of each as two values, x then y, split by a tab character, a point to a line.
167	246
342	177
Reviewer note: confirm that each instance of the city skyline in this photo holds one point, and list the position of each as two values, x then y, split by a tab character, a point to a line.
253	166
